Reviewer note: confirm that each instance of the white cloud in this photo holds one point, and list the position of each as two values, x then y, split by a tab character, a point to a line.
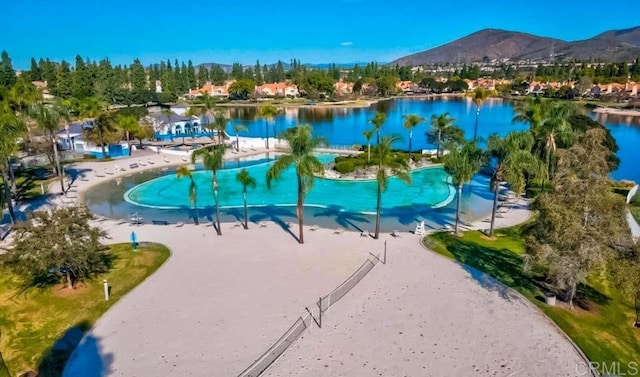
346	44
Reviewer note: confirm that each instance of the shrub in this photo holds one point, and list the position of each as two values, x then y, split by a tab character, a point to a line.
345	167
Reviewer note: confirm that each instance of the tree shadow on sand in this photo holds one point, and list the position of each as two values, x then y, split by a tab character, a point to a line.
343	218
275	214
82	354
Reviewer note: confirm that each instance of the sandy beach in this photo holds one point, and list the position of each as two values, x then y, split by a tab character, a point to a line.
219	302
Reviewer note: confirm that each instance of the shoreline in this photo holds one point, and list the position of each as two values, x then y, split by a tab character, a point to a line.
616	111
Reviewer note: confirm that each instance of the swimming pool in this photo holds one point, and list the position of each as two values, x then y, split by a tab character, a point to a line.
158	195
430	187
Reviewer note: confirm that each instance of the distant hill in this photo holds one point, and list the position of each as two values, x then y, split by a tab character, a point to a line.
225	67
489	44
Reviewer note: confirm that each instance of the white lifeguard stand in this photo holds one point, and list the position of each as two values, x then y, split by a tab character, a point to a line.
420	229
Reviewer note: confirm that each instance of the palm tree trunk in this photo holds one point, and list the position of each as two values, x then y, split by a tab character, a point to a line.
495	208
69	279
104	153
438	149
458	208
215	199
410	140
475	128
58	167
128	143
7	193
300	210
637	308
237	142
266	124
195	209
246	210
369	153
12	175
378	208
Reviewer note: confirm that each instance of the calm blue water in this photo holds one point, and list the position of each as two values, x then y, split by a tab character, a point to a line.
430	187
344	127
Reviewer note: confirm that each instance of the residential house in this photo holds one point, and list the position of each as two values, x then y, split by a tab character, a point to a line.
278	89
42	85
169	126
342	88
407	87
218	91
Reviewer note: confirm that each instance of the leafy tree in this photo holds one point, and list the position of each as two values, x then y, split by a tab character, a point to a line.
388	165
185	172
410	122
478	96
138	76
625	273
143	131
7	74
246	180
461	163
581	123
386	85
268	113
241	89
212	159
237	129
58	245
103	132
301	143
217	75
512	161
581	222
440	124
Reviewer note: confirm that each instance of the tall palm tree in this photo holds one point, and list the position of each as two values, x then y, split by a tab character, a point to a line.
220	125
212	158
478	96
301	144
268	113
48	120
93	108
378	120
439	124
462	162
410	122
128	124
388	165
11	127
512	160
368	134
185	172
237	129
168	113
246	180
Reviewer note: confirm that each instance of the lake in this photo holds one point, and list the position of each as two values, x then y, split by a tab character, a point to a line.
343	127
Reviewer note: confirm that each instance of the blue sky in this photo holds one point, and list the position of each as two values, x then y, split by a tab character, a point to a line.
242	31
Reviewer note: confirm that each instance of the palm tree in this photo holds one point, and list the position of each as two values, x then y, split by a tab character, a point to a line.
48	120
268	113
246	180
439	124
11	127
208	104
185	172
212	158
301	142
478	96
128	124
388	165
512	160
410	122
220	125
378	120
168	113
237	129
462	162
93	108
368	135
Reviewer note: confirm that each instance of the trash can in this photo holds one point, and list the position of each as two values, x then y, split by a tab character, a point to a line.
550	299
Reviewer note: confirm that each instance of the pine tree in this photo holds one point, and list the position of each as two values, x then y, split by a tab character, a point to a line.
138	76
7	74
191	76
34	71
203	76
258	73
64	80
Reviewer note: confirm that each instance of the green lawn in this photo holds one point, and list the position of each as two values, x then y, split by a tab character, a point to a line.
32	321
601	323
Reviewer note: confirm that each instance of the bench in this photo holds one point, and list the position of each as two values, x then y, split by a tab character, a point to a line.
159	222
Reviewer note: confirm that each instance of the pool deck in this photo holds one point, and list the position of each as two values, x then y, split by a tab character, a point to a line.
220	302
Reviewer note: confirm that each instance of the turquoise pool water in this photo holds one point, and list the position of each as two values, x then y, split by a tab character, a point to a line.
430	187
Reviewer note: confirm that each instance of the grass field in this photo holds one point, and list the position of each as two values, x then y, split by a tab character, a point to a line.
601	322
33	320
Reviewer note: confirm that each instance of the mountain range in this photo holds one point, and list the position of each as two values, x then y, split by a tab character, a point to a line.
490	44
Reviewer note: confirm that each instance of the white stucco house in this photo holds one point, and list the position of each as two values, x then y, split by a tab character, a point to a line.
174	125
